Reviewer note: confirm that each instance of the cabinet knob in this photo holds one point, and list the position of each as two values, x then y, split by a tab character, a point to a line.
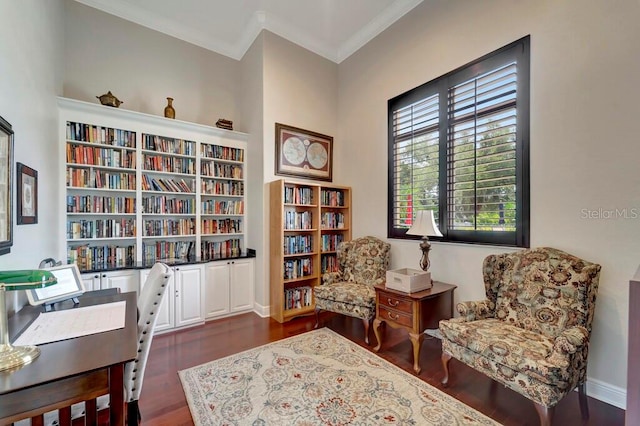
104	275
96	276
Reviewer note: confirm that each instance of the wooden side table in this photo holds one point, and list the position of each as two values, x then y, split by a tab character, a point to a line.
414	312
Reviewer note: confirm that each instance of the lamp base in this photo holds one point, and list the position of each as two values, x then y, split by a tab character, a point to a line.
14	357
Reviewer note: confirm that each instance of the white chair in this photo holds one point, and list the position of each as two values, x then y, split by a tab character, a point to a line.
148	304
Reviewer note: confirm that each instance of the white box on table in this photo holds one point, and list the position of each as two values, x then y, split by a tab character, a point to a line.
408	280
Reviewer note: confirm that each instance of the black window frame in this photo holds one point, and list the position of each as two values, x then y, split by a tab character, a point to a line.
518	51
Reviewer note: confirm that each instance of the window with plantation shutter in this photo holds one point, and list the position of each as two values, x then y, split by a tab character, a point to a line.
458	145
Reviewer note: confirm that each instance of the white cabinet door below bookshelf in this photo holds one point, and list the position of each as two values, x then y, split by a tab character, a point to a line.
126	280
229	287
188	289
217	289
166	311
241	285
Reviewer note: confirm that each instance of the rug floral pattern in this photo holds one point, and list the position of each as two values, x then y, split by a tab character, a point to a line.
316	378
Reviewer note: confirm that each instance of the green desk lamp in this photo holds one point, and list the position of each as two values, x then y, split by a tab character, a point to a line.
16	356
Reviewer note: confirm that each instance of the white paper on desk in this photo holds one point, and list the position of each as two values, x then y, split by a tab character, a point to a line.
69	323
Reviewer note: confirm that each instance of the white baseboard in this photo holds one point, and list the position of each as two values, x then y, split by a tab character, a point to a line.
261	310
606	392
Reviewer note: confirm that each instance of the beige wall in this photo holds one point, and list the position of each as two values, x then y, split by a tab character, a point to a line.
585	61
300	89
143	67
252	106
31	68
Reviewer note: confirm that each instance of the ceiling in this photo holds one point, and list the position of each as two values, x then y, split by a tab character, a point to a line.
334	29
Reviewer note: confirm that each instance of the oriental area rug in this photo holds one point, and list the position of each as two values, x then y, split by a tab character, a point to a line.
316	378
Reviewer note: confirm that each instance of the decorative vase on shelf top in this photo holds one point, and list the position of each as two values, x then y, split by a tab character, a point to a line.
169	112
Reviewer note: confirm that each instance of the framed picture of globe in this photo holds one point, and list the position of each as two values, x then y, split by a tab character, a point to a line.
27	194
303	153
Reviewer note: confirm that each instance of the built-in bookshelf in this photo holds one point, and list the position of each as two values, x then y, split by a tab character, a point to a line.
307	222
141	188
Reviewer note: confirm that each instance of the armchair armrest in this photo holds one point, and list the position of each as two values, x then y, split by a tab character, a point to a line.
476	310
571	340
331	277
567	343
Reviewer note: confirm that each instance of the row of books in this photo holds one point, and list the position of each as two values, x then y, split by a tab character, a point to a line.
103	157
298	268
168	145
330	241
222	152
297	298
101	228
100	204
213	250
329	263
296	244
220	226
97	134
232	171
161	163
332	198
166	227
167	185
101	257
211	187
152	252
163	205
298	195
91	178
331	220
298	220
222	207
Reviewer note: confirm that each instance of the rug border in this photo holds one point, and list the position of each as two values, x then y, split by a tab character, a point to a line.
412	377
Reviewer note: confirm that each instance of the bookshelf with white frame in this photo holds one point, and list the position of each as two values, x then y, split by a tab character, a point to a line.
148	188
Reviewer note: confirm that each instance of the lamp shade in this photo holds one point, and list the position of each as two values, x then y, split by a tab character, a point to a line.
424	225
28	279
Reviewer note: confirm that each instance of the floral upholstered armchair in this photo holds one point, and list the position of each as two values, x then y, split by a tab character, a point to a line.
363	263
532	332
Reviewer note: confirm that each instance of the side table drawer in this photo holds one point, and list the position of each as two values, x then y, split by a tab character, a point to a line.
395	302
401	318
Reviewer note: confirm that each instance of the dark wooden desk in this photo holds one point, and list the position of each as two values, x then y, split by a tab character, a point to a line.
414	312
73	370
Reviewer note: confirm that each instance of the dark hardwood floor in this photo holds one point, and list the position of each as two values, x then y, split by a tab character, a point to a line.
163	402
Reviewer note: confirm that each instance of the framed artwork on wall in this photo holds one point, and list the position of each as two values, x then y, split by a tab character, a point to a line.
27	195
303	153
6	193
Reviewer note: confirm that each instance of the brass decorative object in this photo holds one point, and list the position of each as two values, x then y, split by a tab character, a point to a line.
109	99
169	111
14	357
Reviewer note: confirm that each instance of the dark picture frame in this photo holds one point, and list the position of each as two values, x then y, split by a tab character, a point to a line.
303	153
6	186
27	195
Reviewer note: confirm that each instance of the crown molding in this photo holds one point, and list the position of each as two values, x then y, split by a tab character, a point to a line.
260	20
380	23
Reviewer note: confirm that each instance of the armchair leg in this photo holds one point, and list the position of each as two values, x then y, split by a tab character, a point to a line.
545	414
582	398
366	323
317	310
445	358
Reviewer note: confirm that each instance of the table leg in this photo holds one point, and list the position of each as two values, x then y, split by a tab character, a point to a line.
376	330
416	341
116	394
